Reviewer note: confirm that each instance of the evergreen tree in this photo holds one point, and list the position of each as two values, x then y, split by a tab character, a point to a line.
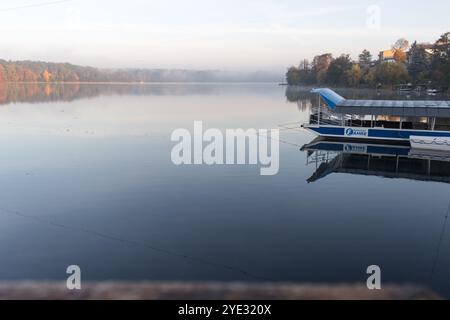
419	62
441	60
365	58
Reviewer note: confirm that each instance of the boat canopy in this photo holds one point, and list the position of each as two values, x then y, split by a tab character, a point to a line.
331	97
402	108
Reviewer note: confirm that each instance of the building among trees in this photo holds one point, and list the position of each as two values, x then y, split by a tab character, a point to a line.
386	56
420	63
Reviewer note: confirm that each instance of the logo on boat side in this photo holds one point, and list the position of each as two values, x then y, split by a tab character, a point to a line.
356	132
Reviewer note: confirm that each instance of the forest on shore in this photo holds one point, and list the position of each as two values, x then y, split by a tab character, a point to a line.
38	71
420	64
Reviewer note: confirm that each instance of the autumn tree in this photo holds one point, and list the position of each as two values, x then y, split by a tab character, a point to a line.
2	74
399	48
322	62
46	75
400	56
29	76
401	44
11	73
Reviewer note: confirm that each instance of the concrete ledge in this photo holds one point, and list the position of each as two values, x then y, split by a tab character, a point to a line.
192	291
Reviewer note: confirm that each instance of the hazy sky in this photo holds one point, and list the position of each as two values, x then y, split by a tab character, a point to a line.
209	34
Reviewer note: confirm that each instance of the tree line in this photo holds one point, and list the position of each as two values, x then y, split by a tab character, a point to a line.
37	71
48	72
419	65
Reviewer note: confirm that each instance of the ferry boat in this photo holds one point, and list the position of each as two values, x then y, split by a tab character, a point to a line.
391	120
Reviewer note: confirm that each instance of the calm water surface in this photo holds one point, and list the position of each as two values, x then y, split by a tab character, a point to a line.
86	179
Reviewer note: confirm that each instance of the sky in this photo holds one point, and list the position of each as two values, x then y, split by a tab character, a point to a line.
231	35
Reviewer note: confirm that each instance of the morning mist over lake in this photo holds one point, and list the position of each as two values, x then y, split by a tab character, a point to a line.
219	158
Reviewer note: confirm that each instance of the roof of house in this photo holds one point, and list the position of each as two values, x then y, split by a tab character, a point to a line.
425	45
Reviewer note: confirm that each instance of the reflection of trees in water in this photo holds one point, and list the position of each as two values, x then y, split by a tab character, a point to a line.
304	105
48	92
294	93
302	96
44	92
36	92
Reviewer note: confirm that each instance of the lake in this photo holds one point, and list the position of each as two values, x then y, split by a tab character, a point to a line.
87	179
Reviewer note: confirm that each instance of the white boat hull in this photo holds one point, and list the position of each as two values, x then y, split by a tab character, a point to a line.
430	143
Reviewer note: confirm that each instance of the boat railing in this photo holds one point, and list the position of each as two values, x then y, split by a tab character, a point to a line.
320	156
323	115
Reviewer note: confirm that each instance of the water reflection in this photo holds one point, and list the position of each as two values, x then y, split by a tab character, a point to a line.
389	161
54	92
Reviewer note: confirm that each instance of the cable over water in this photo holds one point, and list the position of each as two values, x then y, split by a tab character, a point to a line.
134	243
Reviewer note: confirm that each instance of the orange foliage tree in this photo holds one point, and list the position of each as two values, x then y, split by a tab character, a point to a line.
400	55
46	75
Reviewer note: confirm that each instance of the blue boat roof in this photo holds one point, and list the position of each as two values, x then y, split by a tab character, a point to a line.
331	97
407	108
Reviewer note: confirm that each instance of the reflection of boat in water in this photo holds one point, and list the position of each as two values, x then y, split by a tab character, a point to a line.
430	143
390	161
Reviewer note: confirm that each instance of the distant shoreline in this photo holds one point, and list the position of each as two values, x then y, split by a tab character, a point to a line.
141	83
